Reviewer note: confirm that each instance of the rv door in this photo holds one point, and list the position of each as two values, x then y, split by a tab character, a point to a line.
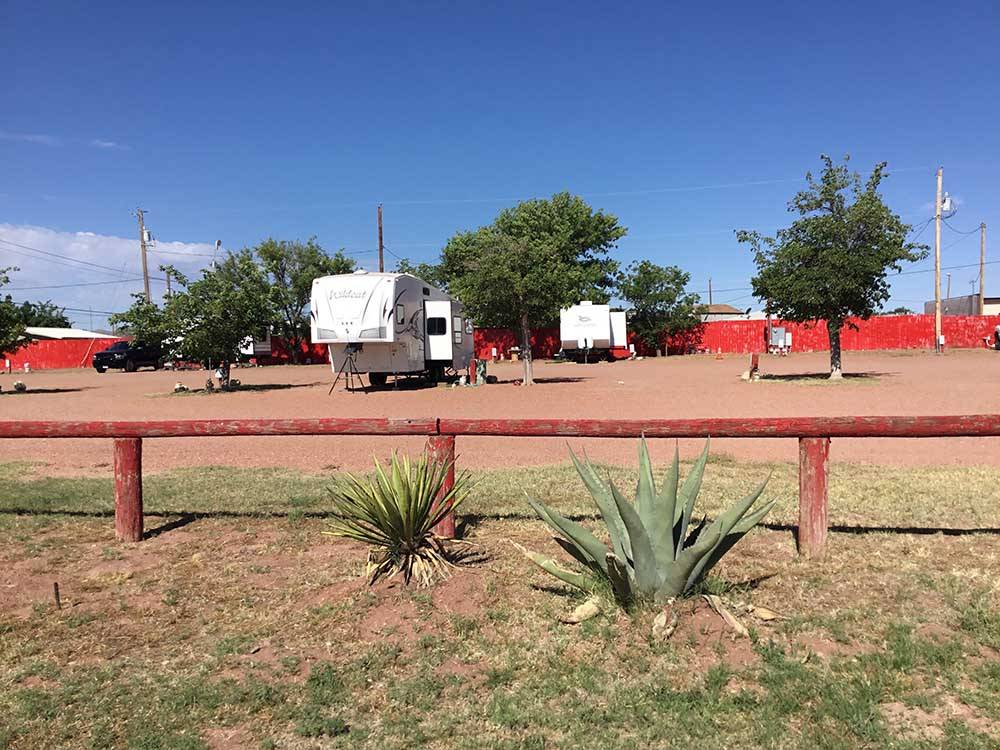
437	319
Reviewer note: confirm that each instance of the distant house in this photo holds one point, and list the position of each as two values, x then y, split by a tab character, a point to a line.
965	305
51	334
710	313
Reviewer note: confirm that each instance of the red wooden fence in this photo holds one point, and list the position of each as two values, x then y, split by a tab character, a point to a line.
813	433
731	336
879	332
57	354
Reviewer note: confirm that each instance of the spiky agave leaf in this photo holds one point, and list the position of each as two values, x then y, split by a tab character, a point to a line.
661	531
687	495
588	547
395	511
549	566
655	554
601	494
643	568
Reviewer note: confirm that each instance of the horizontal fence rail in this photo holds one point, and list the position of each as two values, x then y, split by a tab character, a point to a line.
813	433
977	425
219	428
969	425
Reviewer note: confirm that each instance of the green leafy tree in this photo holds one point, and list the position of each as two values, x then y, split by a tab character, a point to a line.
900	311
11	325
432	273
42	315
208	320
535	258
144	321
832	262
291	268
658	306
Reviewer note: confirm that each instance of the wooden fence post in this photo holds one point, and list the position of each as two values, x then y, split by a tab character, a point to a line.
128	489
441	448
814	474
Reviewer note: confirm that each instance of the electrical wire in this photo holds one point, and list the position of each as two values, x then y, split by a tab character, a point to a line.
958	231
64	257
177	252
67	286
98	266
947	268
921	230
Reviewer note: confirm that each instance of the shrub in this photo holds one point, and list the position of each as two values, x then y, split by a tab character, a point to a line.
655	552
396	512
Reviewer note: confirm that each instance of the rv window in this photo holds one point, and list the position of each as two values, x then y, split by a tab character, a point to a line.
437	326
400	314
427	292
456	326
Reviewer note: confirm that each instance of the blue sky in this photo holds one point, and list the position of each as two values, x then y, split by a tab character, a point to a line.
687	121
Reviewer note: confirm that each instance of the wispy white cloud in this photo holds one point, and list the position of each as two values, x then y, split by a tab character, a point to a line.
70	264
41	139
38	138
98	143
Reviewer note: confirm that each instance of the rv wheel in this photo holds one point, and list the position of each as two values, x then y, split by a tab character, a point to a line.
378	379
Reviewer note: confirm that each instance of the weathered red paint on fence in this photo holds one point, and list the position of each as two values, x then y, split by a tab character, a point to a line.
814	476
57	354
814	435
545	342
281	353
219	427
128	489
879	332
774	427
441	448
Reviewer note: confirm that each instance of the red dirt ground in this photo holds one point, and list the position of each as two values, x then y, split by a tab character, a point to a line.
898	383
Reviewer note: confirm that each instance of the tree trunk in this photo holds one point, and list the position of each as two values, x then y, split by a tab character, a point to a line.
224	369
833	329
294	344
526	350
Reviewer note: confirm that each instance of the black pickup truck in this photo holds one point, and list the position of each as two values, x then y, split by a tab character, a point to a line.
128	356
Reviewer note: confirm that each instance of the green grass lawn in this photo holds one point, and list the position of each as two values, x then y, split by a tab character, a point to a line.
860	495
247	627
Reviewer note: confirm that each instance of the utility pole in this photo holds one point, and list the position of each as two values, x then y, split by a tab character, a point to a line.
168	285
142	249
709	291
947	294
381	262
982	267
937	262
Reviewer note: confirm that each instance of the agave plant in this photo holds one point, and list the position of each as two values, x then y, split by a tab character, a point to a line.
656	554
396	512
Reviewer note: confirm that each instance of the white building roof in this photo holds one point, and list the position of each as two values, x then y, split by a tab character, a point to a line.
33	332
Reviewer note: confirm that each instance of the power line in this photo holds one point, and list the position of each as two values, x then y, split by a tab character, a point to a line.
64	257
72	309
921	230
67	286
947	268
959	231
177	252
107	269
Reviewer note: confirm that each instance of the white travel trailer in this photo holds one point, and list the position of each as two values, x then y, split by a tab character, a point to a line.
593	331
389	324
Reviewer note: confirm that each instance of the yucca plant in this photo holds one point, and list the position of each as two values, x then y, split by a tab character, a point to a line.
656	554
396	512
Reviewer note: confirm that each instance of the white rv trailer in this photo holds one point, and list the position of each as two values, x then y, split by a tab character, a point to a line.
389	324
587	330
